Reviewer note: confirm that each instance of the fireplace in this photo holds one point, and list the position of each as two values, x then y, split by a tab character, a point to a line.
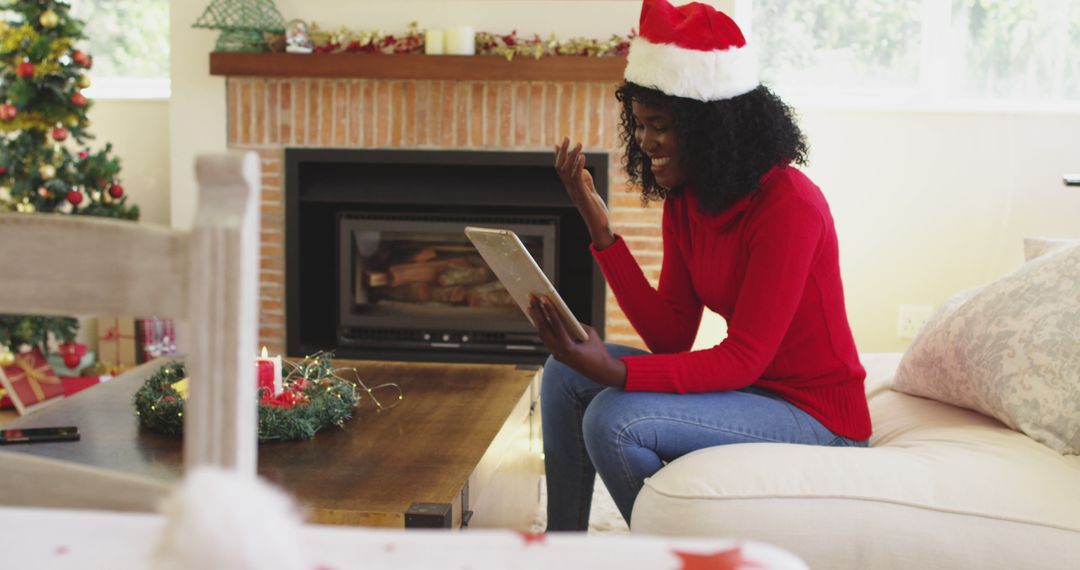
378	266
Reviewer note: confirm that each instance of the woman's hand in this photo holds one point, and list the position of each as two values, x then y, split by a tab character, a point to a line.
570	164
590	358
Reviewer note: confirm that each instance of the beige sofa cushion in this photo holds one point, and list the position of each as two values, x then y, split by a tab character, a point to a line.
940	487
1010	350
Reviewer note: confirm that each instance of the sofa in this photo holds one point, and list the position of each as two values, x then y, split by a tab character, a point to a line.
953	478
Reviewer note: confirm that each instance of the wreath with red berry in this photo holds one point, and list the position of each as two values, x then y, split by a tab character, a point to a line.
314	396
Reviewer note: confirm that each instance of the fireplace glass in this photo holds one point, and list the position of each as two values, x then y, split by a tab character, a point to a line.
409	280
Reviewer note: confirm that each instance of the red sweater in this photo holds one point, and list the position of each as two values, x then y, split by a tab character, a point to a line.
770	266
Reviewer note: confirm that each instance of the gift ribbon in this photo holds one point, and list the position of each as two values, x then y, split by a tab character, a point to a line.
35	376
112	334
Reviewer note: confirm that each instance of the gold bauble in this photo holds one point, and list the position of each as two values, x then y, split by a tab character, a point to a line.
73	122
97	368
47	171
84	81
7	358
49	19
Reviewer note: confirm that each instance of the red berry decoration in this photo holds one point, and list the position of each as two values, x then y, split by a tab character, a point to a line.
116	191
78	99
3	170
25	69
59	134
83	155
75	197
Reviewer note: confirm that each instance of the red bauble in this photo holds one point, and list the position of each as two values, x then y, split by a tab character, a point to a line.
78	99
59	134
116	191
72	353
25	69
3	170
8	112
82	58
75	197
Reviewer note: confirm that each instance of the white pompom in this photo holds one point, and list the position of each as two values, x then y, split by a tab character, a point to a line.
219	519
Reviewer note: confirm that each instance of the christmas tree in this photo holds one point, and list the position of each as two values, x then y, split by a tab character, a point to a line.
42	117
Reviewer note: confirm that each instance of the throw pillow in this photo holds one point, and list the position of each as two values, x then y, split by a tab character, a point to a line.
1010	350
1036	246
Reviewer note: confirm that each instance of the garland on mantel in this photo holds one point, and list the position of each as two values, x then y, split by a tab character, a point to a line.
507	45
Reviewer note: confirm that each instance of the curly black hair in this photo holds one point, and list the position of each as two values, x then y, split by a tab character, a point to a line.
725	146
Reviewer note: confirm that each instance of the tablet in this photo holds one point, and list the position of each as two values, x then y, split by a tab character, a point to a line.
519	273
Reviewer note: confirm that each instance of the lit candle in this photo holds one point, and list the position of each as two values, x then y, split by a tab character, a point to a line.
460	40
269	372
433	42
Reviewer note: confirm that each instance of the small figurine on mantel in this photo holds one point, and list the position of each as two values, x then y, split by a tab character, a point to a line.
297	38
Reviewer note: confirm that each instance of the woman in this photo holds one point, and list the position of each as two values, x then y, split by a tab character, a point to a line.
746	235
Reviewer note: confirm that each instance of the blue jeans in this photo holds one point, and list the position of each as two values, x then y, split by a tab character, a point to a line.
628	436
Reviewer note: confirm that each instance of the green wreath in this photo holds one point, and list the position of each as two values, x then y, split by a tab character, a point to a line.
313	397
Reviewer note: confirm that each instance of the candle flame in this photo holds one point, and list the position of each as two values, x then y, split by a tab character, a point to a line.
264	353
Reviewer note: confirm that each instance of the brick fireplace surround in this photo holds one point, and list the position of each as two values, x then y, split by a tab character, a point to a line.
268	114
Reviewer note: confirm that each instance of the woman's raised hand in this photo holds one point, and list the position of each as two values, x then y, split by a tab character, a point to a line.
570	164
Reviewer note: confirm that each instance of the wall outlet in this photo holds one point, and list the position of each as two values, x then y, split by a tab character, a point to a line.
911	319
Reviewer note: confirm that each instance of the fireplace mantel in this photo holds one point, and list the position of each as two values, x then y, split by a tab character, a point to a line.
411	66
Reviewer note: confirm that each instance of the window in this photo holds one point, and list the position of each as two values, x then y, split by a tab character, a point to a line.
972	54
129	40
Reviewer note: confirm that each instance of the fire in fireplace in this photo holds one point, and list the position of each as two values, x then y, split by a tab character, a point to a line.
378	266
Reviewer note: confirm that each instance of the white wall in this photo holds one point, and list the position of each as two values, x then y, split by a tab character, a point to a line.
139	133
926	203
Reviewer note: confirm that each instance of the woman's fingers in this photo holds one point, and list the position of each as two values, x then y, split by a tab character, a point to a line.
555	322
560	154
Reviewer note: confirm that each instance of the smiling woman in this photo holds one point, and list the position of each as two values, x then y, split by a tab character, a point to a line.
129	40
746	235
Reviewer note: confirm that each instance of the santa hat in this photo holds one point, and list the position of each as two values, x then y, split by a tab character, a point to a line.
692	51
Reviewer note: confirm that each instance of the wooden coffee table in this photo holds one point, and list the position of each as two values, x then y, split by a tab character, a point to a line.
461	449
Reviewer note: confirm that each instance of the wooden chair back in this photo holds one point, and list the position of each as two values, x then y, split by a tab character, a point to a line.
208	276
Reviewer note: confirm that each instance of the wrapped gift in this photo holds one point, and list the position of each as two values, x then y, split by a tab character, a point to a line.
156	338
116	342
73	384
30	380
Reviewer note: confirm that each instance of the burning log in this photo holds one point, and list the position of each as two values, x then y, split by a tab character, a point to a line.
410	293
449	295
491	294
424	272
465	276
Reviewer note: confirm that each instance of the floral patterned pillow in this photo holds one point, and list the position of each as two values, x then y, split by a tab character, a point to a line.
1010	350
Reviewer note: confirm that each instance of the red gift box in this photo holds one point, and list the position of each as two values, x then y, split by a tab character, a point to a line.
156	338
73	384
30	380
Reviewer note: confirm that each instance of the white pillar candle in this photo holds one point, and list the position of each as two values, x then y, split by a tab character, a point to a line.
433	42
460	40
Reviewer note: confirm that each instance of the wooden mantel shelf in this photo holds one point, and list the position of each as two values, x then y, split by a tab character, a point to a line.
453	67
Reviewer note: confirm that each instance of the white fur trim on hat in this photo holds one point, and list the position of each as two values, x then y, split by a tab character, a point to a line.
694	74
